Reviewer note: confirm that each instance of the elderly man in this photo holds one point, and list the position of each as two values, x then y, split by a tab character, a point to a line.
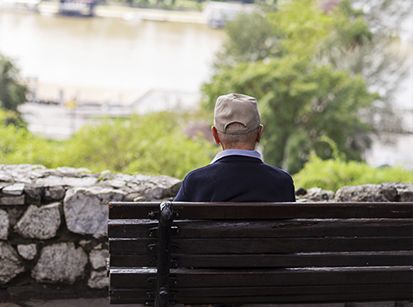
237	173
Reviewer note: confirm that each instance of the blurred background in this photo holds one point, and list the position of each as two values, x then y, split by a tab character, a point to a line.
129	85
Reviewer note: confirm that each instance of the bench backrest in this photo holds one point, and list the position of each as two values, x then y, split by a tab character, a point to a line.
196	253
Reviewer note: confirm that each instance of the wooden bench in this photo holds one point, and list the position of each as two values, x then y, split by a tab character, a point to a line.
206	253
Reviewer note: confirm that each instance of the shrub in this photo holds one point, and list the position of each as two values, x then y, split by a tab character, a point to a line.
334	173
149	144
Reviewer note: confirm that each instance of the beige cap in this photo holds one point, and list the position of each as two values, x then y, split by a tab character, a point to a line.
236	108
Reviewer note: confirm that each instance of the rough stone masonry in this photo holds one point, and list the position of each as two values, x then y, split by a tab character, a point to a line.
53	222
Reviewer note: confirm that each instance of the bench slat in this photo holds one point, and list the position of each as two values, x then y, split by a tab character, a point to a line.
132	228
276	211
200	294
280	290
265	229
125	246
264	211
296	260
266	245
314	298
117	298
129	296
133	210
399	258
117	260
186	278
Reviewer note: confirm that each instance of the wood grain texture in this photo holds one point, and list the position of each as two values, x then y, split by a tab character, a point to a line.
399	258
265	252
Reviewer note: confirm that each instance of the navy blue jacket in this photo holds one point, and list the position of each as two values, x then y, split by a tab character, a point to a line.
237	179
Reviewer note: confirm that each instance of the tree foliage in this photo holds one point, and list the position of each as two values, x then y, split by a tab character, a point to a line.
303	96
369	45
301	103
12	90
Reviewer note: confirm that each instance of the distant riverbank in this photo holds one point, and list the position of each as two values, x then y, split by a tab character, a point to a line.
118	11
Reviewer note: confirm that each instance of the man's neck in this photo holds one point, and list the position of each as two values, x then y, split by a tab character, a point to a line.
240	147
237	152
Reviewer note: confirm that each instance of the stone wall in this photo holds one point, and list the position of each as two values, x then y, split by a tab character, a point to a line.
53	232
386	192
53	239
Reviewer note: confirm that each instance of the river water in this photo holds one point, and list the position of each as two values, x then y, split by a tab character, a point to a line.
98	55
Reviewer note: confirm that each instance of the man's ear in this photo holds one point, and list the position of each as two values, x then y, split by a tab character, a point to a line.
215	135
260	132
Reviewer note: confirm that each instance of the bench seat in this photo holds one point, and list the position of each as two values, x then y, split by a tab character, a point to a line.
234	253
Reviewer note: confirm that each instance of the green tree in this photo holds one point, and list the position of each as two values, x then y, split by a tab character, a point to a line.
297	27
251	37
369	45
303	98
300	104
12	90
358	36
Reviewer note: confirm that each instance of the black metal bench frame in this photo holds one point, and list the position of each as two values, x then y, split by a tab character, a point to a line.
169	211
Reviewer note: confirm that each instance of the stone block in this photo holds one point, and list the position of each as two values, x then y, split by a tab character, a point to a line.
27	251
15	213
315	195
34	193
53	181
72	172
15	189
56	193
86	209
60	263
98	258
12	200
39	222
98	280
405	192
4	225
5	177
367	193
10	265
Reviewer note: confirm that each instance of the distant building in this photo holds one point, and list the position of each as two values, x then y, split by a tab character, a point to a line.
77	7
218	14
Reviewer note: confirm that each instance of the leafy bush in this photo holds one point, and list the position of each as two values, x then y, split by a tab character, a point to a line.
150	144
18	145
334	173
153	144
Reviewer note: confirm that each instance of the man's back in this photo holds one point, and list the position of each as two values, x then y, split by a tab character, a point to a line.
238	179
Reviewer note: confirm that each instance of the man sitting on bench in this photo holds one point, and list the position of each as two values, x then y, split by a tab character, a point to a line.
237	173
